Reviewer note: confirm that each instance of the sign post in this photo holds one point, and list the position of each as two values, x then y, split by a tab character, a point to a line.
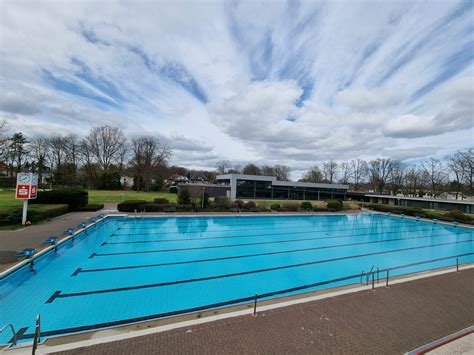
26	188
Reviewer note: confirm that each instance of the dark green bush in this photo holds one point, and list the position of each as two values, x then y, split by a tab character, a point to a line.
290	207
91	207
184	197
35	214
334	205
275	206
306	205
250	205
75	198
458	216
239	204
130	205
409	211
161	201
222	203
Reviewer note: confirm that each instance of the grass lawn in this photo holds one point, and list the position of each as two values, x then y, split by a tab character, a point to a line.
7	199
106	196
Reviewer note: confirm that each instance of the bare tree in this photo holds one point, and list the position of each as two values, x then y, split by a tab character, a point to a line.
330	171
346	172
397	176
433	170
467	161
3	139
379	172
57	145
413	179
148	155
282	172
106	144
251	169
313	175
40	150
223	167
455	165
358	172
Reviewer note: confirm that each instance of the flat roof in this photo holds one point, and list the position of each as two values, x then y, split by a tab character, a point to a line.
421	199
276	182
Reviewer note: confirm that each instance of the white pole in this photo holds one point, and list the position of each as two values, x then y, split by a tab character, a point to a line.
25	210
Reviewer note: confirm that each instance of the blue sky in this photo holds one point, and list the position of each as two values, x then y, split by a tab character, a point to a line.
292	82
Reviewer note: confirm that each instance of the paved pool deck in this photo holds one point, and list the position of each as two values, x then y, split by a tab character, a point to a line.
391	320
12	241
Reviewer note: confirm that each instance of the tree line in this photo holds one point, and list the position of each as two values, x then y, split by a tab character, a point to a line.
105	154
98	160
454	173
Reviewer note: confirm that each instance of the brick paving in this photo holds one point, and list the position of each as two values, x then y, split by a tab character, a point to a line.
12	241
385	321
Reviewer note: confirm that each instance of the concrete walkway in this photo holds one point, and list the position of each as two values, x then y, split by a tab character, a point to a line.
12	241
390	320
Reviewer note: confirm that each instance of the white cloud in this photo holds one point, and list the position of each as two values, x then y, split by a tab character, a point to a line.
281	82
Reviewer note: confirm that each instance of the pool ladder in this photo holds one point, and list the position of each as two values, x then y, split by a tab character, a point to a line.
374	270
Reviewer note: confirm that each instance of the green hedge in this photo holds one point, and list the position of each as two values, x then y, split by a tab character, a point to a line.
36	213
418	212
75	198
91	207
130	205
306	205
334	205
275	206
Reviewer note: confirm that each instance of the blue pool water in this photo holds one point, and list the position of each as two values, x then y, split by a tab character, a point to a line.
126	269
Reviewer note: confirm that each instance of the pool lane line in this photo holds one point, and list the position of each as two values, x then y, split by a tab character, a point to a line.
250	298
259	235
250	229
117	268
245	219
243	244
58	294
235	224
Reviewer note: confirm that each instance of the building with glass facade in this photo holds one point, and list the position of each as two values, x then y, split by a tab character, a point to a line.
269	188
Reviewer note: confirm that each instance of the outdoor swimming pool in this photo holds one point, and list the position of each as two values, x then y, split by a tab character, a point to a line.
132	269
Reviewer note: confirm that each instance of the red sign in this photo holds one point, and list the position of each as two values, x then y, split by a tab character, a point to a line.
26	185
33	191
22	191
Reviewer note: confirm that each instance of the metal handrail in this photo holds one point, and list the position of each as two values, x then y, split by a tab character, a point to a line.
9	325
37	338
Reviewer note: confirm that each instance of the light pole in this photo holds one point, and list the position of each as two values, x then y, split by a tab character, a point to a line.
202	198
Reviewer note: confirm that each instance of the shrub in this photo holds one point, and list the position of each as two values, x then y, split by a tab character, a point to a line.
184	197
91	207
458	216
409	211
161	201
75	198
239	204
334	205
222	203
306	205
290	207
275	206
250	205
130	205
185	208
35	213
